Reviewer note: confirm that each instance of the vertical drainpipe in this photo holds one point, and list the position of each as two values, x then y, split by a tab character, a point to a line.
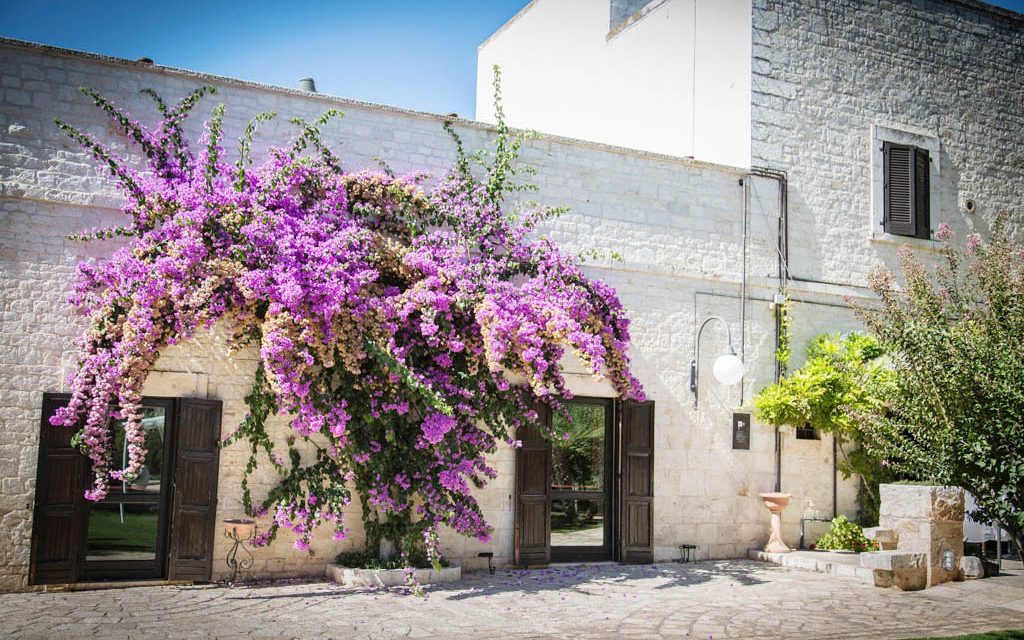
783	273
745	183
782	262
835	483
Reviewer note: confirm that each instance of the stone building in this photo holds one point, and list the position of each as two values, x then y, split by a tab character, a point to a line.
837	94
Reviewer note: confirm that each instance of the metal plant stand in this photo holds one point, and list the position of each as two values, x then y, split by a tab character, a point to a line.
687	553
490	560
241	531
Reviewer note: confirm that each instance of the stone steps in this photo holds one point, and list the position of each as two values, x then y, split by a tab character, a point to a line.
844	565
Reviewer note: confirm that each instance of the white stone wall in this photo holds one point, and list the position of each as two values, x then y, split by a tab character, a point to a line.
825	73
678	225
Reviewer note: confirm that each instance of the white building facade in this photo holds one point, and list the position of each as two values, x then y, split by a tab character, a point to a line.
794	202
669	76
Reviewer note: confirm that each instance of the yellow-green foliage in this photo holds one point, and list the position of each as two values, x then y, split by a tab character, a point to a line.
842	375
843	378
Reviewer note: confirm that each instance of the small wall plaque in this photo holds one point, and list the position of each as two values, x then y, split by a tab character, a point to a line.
741	431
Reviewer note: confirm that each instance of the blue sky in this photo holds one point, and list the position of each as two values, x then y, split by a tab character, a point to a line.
419	54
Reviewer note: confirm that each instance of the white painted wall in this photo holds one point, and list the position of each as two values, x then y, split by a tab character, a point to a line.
676	81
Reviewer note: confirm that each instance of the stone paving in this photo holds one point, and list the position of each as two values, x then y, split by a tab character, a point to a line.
727	599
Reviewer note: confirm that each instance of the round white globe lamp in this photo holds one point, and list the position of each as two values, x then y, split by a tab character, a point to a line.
728	368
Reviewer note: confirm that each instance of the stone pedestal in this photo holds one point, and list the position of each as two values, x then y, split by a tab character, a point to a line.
926	519
776	503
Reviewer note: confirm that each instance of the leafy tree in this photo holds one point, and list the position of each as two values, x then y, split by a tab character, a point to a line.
955	334
842	376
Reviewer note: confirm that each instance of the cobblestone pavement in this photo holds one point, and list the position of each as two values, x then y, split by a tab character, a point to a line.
728	599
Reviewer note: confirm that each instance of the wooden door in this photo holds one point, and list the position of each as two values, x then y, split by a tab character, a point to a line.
194	490
58	518
637	482
533	498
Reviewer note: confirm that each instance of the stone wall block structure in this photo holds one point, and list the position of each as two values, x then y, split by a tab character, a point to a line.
925	519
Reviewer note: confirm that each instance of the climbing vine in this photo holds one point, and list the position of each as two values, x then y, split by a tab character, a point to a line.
403	330
843	376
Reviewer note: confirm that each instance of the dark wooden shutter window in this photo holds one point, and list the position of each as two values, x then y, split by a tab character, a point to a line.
907	191
59	515
637	482
533	493
194	490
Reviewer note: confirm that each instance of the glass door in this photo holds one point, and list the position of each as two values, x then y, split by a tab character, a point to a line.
581	482
126	531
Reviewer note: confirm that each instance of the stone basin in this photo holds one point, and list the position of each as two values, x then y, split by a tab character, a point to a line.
775	501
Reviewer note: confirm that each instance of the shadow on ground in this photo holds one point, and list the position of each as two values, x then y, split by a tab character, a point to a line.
579	578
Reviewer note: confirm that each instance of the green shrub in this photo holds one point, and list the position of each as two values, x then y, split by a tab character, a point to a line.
844	535
367	560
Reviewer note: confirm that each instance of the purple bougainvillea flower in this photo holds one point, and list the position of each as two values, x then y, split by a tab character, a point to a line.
388	321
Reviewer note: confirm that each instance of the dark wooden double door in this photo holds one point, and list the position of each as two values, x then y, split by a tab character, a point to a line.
588	497
160	525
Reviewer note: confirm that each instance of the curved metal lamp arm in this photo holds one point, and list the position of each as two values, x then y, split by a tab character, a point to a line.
696	352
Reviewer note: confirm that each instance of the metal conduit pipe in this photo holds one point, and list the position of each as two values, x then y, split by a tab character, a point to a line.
782	262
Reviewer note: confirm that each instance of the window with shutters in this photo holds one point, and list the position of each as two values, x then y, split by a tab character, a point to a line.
905	169
906	205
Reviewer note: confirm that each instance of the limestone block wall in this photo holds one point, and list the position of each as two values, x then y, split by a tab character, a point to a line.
826	73
926	519
678	225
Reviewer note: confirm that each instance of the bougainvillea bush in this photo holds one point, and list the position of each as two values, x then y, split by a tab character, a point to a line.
392	319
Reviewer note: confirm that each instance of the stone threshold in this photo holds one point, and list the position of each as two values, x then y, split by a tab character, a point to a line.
117	584
844	565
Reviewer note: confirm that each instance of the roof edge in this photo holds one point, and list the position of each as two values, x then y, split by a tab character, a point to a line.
508	23
13	43
991	8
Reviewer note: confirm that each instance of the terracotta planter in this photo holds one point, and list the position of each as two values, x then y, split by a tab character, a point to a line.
239	528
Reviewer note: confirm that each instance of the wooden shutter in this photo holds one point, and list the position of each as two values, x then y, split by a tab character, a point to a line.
922	194
533	493
194	490
637	515
59	514
899	216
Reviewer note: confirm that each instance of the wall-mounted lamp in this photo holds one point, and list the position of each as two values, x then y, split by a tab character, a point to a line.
948	560
728	368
